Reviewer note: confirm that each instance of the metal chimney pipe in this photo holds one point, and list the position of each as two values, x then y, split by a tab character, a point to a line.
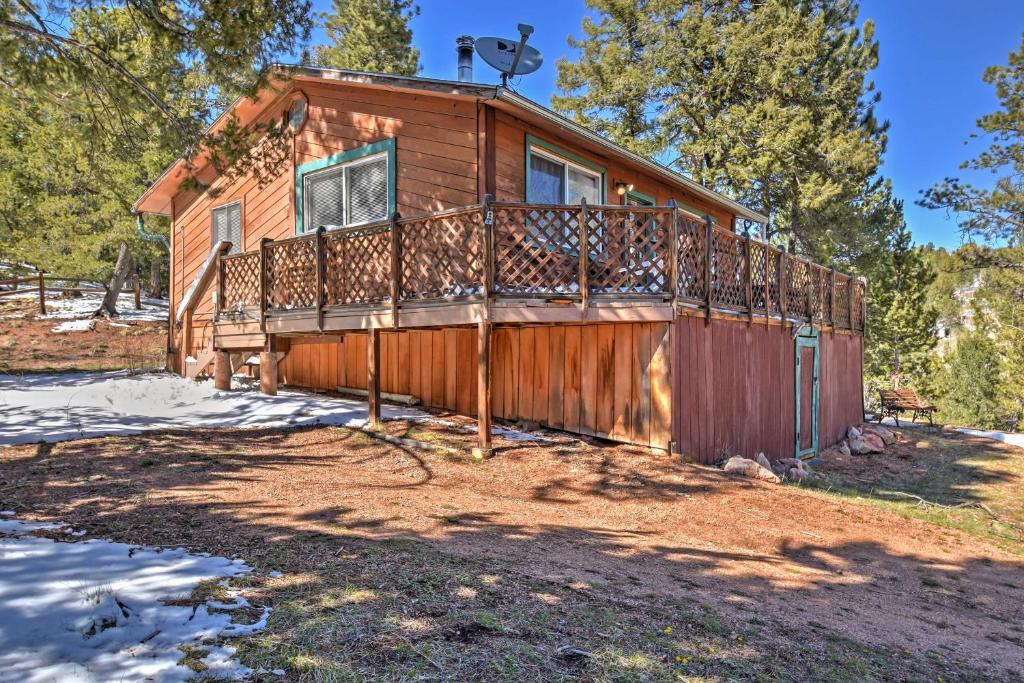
464	48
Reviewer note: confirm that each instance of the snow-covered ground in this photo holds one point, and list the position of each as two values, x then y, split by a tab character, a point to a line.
82	308
94	610
78	405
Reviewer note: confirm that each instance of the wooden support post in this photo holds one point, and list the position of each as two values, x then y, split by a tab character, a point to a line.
268	367
137	291
396	269
709	248
264	285
673	254
783	294
320	277
42	293
373	376
483	389
584	254
222	370
186	339
749	274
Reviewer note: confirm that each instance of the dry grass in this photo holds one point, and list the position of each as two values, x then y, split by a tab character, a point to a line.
28	344
571	561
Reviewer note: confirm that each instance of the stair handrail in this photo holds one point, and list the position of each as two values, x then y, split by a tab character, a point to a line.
202	280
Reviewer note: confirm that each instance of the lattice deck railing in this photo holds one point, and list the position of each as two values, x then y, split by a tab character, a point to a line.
533	251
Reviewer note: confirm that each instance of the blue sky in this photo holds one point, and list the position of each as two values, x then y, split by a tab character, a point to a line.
933	54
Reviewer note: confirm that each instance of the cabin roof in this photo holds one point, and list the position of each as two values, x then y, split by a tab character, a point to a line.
156	199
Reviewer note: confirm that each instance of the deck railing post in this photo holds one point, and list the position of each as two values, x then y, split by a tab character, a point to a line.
488	245
832	297
673	254
264	284
849	301
584	254
709	230
320	277
783	294
42	293
864	305
767	284
396	269
749	274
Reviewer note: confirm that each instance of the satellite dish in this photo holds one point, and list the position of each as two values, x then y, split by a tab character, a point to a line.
510	57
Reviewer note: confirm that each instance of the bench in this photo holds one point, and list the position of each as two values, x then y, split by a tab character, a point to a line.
895	401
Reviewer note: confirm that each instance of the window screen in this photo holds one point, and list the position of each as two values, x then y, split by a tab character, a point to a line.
227	226
367	196
324	197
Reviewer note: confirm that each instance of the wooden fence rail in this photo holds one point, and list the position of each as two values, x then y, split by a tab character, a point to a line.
576	254
38	284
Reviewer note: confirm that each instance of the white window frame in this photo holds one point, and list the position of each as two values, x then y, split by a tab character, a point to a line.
566	165
235	248
343	168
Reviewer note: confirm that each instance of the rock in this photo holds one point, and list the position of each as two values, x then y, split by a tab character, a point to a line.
884	434
844	447
862	445
744	467
874	441
762	461
528	426
852	433
796	474
792	462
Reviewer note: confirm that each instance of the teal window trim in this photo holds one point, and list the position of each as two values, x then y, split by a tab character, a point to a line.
635	194
566	155
385	145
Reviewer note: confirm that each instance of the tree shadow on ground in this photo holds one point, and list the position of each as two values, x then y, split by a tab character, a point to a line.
400	565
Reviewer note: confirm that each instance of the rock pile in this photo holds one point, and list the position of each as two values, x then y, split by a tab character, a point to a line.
866	439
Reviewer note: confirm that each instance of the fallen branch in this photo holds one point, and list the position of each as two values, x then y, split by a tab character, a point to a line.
922	502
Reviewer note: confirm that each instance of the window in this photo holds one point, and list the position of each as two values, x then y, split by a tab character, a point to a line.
554	180
347	193
226	226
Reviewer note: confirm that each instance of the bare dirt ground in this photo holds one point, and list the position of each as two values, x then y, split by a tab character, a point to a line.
401	564
28	343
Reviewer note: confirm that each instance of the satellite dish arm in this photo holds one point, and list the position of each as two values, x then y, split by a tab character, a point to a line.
524	33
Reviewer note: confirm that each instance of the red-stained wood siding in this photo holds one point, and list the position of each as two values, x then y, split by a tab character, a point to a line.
608	380
734	388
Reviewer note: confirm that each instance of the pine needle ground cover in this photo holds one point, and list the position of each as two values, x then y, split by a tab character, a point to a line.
28	342
551	562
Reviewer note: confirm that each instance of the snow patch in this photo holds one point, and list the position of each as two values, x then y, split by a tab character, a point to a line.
75	326
1005	437
95	610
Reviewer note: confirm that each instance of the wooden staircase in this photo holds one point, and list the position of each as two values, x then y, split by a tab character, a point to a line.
197	366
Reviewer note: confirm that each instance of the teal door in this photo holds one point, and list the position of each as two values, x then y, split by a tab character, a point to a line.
806	393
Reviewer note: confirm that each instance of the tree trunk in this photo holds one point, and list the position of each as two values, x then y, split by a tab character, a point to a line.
155	288
124	263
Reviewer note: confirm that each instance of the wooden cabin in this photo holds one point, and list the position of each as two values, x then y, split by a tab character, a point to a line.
465	246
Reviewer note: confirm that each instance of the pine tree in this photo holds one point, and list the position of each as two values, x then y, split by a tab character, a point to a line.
997	213
371	35
901	329
970	384
609	88
768	102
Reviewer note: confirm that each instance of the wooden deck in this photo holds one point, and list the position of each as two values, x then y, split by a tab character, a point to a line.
520	264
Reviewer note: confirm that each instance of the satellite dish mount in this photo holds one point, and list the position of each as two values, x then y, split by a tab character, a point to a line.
508	56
